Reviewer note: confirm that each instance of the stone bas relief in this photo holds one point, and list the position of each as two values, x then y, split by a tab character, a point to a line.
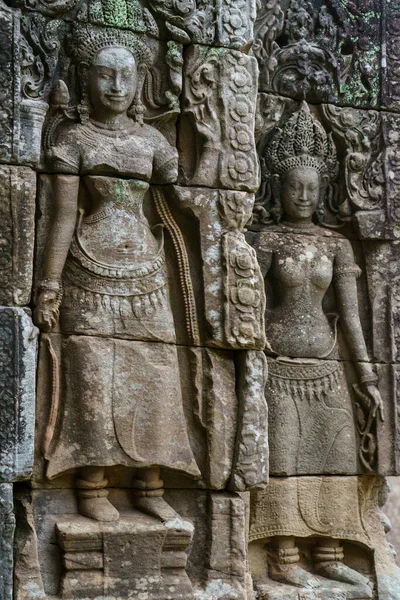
318	425
216	374
127	394
113	288
300	260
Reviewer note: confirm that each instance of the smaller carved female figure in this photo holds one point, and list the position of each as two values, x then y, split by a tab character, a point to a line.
105	287
311	423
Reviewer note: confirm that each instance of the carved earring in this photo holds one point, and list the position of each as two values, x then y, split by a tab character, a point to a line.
136	111
83	107
320	209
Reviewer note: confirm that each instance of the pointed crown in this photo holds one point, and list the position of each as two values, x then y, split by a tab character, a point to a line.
302	142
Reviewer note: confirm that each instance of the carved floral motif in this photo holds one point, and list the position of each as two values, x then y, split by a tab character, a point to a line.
219	93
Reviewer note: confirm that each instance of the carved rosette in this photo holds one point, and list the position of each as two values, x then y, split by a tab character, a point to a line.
232	277
244	319
235	23
219	103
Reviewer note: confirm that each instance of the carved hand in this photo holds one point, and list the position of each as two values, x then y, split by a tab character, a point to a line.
47	309
375	398
371	397
208	124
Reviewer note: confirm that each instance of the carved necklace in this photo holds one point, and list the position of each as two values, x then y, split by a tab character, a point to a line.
110	129
298	225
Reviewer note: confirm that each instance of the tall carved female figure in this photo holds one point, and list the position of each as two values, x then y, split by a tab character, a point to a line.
105	287
311	424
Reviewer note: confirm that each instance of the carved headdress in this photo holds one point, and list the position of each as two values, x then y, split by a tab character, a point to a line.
302	142
87	41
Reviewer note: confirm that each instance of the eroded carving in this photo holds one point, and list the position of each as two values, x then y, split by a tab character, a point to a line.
17	392
312	429
17	212
112	290
7	527
219	110
325	53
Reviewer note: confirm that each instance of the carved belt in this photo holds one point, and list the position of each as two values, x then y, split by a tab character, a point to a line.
84	272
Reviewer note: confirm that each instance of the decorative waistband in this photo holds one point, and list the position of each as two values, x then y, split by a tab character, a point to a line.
292	369
78	255
304	381
76	275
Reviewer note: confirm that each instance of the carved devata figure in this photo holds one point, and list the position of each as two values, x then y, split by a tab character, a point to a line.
105	287
311	424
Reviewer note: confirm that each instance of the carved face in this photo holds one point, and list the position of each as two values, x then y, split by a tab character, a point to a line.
112	81
300	193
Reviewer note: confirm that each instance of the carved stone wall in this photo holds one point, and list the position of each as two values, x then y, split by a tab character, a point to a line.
199	299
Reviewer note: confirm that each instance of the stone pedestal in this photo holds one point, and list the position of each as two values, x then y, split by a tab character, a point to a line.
137	555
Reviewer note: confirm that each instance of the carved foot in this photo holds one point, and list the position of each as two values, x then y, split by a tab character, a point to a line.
339	572
283	564
155	506
293	575
98	508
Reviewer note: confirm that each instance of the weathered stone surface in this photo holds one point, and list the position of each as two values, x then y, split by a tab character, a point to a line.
315	511
216	134
390	75
7	527
228	23
9	20
251	464
325	414
17	407
17	230
319	51
27	576
302	262
224	415
366	189
183	360
136	554
231	276
391	510
29	45
216	560
381	260
227	575
388	431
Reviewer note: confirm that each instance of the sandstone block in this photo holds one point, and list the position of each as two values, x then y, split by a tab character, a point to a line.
17	392
7	526
17	231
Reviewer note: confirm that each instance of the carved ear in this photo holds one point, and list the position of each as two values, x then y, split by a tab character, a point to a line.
324	181
276	187
141	76
83	69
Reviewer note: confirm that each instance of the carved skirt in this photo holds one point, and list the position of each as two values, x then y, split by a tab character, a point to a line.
121	404
311	423
310	506
100	299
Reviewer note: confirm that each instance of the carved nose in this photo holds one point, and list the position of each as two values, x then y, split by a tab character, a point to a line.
116	87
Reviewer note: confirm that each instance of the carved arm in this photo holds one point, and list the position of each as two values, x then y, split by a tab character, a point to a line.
65	189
